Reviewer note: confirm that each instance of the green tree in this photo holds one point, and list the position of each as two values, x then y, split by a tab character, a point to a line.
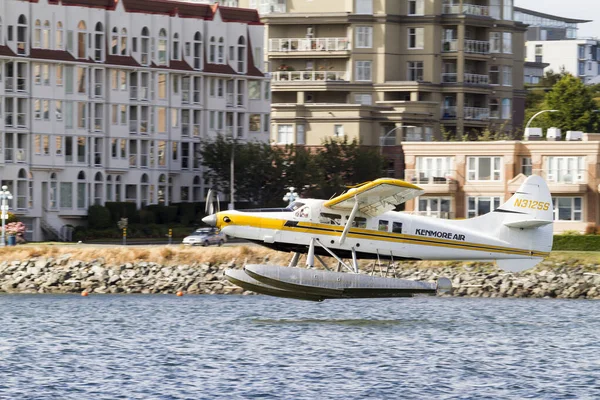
575	104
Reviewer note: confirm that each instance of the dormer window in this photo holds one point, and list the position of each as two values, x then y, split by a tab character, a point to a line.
212	55
241	54
197	51
22	46
81	40
176	51
99	42
114	41
145	43
162	47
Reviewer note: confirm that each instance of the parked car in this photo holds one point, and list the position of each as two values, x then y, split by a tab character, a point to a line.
205	237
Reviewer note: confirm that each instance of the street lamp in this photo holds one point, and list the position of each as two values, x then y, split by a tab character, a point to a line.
291	195
535	115
4	196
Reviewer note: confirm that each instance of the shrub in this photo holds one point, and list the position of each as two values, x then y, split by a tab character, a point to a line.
147	217
120	210
99	217
576	242
592	230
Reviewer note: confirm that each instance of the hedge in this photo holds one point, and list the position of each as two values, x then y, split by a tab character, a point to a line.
576	242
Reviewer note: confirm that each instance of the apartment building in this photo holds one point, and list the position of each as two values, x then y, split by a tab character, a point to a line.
467	179
384	71
542	26
579	57
108	100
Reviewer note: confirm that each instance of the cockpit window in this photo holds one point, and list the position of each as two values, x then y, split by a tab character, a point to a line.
295	205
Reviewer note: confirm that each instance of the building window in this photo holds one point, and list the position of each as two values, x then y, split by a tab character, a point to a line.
416	7
145	46
526	166
99	43
494	75
59	36
363	71
433	170
22	46
241	54
507	42
477	206
37	34
364	99
197	51
567	208
162	47
539	53
81	40
123	42
565	169
364	6
114	42
508	10
495	40
285	134
176	52
338	130
506	75
364	37
415	71
66	195
494	108
416	38
506	109
300	133
254	90
212	54
484	168
438	207
46	35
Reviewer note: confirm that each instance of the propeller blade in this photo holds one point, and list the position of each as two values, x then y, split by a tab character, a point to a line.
208	207
218	204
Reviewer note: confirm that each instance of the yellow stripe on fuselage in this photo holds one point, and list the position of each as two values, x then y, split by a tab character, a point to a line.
368	234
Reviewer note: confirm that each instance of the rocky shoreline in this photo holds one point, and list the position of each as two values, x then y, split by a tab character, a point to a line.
64	274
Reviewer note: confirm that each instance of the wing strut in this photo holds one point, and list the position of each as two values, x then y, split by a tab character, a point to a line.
349	222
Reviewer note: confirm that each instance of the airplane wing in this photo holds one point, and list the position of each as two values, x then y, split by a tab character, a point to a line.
376	197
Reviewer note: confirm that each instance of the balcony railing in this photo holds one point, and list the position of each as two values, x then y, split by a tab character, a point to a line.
471	9
477	113
309	76
450	77
309	44
430	177
449	112
449	45
476	79
477	46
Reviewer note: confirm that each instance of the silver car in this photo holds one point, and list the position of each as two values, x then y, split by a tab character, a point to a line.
205	237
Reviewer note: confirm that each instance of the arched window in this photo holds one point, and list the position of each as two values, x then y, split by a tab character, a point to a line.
175	55
162	47
22	186
162	186
22	46
99	42
241	54
123	42
197	51
114	42
98	188
46	35
118	188
53	193
109	188
145	46
81	40
81	191
221	52
37	34
59	36
144	187
212	55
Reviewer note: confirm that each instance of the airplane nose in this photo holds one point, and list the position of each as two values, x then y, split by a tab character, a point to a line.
210	220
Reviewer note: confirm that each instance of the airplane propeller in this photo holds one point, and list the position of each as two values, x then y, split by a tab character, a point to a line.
209	208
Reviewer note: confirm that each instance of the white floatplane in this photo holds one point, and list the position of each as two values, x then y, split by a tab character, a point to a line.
360	224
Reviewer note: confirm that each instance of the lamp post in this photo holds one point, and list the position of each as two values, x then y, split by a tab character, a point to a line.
535	115
291	195
4	196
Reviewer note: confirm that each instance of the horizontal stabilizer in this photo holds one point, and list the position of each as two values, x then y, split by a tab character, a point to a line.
527	223
518	264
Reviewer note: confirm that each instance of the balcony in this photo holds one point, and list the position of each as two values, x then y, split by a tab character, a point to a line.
451	77
564	181
309	45
449	45
476	79
477	113
433	182
477	46
310	76
469	9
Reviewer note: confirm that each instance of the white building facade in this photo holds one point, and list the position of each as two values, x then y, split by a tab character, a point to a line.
579	57
108	100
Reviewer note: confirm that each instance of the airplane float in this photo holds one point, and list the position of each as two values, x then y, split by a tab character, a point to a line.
361	224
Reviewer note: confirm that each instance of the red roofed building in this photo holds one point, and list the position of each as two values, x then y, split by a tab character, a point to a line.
108	100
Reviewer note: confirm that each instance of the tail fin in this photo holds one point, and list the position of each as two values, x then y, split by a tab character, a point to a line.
524	222
530	207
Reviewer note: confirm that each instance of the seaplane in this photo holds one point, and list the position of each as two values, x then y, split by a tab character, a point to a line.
362	224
